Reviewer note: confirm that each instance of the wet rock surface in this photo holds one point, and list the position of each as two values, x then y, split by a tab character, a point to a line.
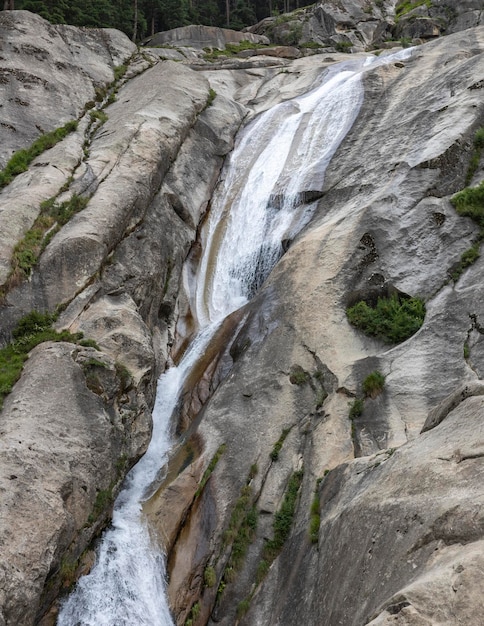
400	526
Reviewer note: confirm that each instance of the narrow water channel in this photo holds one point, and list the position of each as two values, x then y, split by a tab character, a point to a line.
266	196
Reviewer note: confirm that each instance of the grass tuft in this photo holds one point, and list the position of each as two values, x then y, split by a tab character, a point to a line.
373	384
21	159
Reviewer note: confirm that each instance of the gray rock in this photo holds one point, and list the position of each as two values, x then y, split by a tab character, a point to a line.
202	37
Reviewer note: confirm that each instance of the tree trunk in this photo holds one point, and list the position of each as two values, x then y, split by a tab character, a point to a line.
9	5
227	10
135	25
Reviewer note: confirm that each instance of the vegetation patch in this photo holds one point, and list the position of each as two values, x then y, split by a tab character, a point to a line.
120	71
28	250
470	203
298	376
356	408
315	518
98	115
283	518
343	46
208	472
21	159
278	445
392	320
104	498
476	155
193	615
33	329
406	6
373	384
468	257
209	576
212	94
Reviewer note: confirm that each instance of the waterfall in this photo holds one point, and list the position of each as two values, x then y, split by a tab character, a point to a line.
263	199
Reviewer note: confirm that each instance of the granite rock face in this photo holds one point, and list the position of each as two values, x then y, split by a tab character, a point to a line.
387	525
385	222
355	25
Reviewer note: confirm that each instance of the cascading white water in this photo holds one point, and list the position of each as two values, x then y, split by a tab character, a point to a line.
278	158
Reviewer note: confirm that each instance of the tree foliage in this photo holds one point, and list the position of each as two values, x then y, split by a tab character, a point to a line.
154	15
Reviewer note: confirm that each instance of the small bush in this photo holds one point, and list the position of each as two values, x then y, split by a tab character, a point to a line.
209	576
262	570
468	257
314	524
99	115
470	203
278	445
356	408
31	330
212	94
120	71
315	519
298	376
392	320
373	384
243	607
283	518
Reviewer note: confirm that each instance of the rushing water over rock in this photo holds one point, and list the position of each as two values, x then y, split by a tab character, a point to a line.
266	197
274	173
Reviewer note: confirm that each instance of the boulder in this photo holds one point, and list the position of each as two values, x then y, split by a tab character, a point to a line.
202	37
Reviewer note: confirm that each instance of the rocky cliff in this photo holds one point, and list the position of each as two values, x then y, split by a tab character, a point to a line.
383	521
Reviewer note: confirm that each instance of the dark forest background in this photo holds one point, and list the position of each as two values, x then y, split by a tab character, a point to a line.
140	18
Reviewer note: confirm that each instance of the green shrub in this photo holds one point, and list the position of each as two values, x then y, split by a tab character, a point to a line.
208	472
470	203
278	445
104	498
392	320
98	114
298	376
356	408
209	576
315	519
20	161
314	524
283	518
262	570
212	94
33	329
120	71
476	155
468	257
373	384
243	607
405	6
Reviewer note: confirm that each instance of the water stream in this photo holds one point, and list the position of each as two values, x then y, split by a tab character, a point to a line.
263	200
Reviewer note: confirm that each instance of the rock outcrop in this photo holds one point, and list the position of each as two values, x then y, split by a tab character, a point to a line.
385	523
355	25
384	222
